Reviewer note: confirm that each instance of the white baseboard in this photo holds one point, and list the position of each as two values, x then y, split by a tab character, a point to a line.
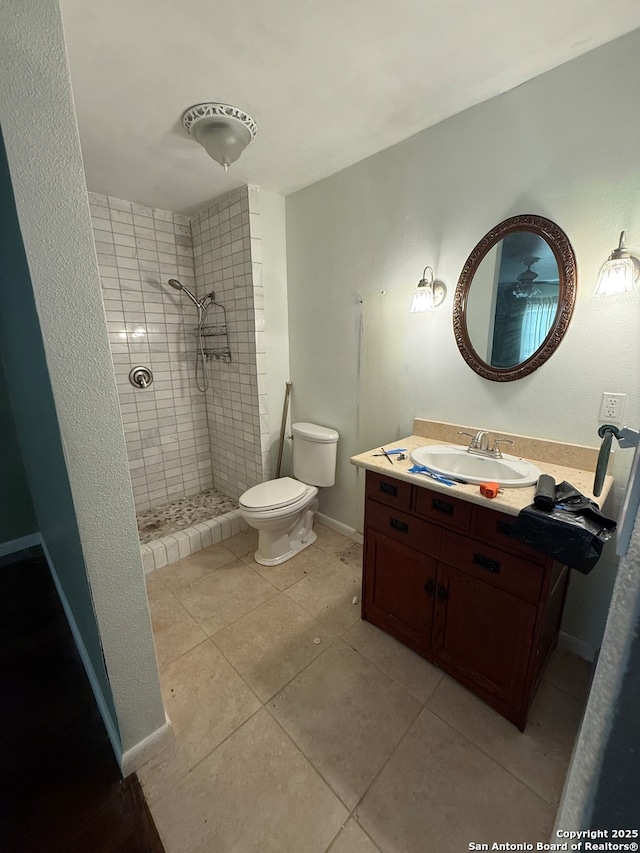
15	545
105	712
577	646
135	757
339	527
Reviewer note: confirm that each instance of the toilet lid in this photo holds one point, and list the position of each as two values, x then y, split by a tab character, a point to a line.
273	494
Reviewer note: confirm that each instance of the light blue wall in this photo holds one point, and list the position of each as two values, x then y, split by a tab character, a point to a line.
17	517
34	414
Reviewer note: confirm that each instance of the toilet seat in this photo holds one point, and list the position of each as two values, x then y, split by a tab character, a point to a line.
274	494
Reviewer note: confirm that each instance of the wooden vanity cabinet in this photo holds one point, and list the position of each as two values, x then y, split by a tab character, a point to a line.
443	576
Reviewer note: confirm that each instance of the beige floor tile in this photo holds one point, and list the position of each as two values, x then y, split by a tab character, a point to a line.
540	755
328	595
270	645
570	673
189	569
254	794
174	630
438	792
407	668
205	699
353	839
163	771
352	555
243	544
155	585
346	716
225	595
298	567
331	541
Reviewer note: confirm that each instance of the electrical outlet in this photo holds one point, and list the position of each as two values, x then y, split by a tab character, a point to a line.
612	407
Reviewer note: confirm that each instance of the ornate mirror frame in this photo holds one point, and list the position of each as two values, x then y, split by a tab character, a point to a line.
565	258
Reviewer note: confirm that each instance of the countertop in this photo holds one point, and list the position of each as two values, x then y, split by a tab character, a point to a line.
509	500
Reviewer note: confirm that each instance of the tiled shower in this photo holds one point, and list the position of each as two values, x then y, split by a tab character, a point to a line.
182	442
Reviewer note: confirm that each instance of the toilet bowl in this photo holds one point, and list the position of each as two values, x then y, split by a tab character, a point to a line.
283	510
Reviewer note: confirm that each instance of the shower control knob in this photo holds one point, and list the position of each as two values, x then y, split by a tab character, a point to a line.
140	377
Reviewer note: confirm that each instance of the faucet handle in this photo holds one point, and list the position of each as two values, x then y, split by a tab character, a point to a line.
496	445
474	439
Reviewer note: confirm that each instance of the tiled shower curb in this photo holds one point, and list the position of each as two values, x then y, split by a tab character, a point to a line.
169	549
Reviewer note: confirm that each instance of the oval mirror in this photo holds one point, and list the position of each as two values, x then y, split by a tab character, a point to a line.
514	298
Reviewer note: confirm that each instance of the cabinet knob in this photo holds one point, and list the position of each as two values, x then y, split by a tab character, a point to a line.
443	592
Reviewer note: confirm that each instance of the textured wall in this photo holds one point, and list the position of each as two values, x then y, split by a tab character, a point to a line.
602	783
41	138
151	324
358	241
228	261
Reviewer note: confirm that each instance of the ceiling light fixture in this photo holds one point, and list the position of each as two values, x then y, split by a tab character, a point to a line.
525	287
222	130
619	272
429	293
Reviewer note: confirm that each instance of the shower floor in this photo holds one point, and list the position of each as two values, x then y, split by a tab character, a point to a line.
186	512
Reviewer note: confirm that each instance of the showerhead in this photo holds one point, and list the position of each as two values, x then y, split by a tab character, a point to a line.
178	286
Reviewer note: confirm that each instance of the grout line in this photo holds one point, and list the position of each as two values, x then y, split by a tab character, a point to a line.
311	764
169	791
420	710
493	759
570	693
388	675
387	760
334	638
360	827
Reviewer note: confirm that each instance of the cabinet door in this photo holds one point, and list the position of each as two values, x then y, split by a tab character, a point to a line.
399	585
482	636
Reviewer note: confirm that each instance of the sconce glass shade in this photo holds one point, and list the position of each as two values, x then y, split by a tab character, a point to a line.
619	272
222	130
429	293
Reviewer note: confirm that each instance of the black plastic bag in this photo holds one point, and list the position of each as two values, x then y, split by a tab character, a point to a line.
573	532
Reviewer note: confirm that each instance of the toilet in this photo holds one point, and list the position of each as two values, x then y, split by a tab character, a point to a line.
282	510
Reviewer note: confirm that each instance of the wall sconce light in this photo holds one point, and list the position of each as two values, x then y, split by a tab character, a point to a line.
429	293
222	130
619	272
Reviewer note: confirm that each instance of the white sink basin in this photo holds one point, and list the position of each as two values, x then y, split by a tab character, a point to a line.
449	460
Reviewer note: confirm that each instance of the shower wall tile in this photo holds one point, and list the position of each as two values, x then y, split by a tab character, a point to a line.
225	240
165	425
179	441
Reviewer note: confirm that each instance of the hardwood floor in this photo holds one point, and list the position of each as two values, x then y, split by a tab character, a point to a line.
62	787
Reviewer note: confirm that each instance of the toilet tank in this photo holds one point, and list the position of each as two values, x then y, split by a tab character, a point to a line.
314	454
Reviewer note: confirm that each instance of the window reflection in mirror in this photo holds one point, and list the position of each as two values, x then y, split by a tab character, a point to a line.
513	300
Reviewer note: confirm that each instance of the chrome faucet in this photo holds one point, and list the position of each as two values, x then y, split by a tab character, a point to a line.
479	444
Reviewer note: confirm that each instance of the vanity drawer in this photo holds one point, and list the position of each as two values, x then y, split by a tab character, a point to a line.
402	527
495	526
444	509
388	490
485	562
